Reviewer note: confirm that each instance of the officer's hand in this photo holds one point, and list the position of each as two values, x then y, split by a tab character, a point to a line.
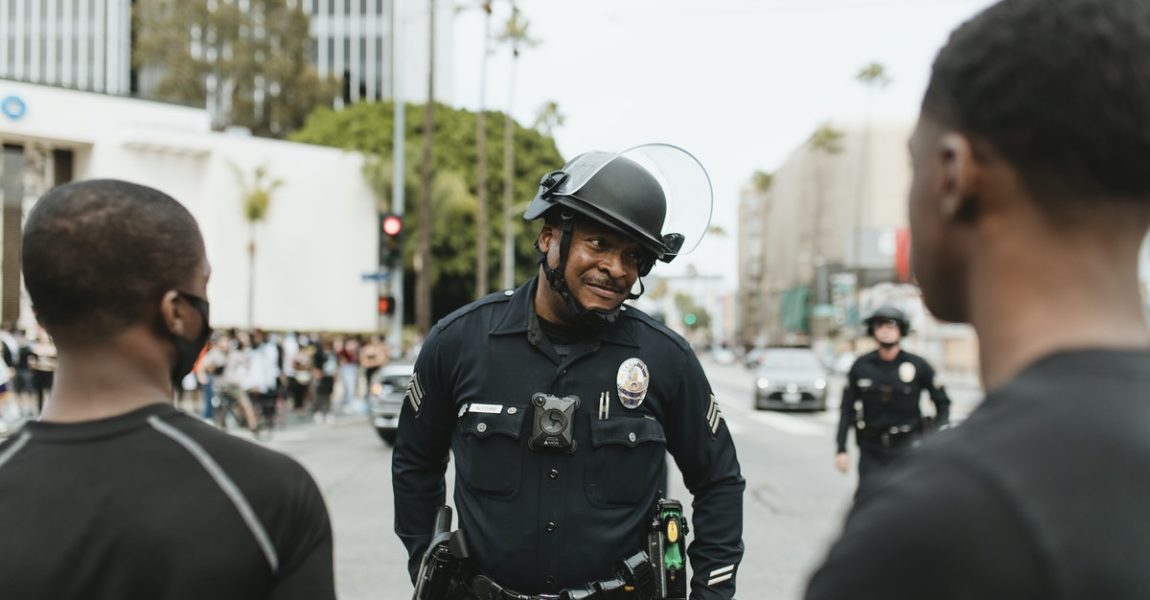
842	462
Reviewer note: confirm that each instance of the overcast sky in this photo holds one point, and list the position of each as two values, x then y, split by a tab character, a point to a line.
739	83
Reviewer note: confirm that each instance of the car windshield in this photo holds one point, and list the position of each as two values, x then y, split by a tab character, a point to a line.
790	361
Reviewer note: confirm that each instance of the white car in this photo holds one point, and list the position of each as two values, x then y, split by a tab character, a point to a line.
388	388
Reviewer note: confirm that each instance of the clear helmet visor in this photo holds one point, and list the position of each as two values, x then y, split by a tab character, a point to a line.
685	183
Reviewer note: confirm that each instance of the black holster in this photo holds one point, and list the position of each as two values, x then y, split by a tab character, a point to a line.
443	569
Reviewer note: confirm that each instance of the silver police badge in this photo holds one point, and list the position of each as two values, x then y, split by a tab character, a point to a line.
906	372
632	382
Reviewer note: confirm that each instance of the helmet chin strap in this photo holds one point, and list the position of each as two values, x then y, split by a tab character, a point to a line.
595	318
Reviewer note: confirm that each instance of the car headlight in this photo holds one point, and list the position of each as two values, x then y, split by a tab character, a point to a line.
820	384
762	383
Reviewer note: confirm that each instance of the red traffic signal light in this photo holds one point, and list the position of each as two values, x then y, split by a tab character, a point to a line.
386	305
390	224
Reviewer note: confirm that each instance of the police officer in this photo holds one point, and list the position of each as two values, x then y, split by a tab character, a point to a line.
881	398
559	403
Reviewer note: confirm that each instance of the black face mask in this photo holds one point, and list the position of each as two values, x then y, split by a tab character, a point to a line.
188	351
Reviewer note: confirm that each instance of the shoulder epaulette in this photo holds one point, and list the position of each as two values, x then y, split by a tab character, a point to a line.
647	320
493	298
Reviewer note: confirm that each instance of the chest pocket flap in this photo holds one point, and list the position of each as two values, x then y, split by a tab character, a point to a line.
483	425
489	458
628	432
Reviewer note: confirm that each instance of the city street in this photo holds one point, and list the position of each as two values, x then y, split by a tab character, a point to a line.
794	505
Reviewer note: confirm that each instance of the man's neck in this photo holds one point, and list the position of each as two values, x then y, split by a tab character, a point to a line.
889	353
100	382
1034	301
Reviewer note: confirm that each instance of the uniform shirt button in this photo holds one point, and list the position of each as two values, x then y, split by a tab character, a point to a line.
630	436
481	427
551	526
550	580
512	410
554	474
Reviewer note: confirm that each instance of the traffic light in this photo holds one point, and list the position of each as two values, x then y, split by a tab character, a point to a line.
390	241
386	305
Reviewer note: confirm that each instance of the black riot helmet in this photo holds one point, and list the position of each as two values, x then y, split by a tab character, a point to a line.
621	195
887	312
656	194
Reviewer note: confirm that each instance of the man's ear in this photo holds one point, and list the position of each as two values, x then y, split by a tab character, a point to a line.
961	175
547	236
170	312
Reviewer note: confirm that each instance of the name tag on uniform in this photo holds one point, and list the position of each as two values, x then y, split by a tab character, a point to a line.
491	409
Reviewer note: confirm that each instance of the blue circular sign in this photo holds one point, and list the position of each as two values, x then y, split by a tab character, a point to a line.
13	107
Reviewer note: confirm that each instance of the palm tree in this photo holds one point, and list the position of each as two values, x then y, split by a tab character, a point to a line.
423	262
548	118
515	35
825	141
873	76
257	200
481	167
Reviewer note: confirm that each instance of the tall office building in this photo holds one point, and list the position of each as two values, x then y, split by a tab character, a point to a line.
80	44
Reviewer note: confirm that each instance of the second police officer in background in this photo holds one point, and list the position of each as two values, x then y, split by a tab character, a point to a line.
560	404
881	399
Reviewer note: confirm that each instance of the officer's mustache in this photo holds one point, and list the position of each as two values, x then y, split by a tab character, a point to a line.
608	283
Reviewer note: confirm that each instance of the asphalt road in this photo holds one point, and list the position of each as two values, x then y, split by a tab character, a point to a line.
793	508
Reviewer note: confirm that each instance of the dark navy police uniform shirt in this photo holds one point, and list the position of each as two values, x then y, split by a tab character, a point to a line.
540	521
889	392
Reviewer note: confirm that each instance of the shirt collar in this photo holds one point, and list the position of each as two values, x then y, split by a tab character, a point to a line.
519	317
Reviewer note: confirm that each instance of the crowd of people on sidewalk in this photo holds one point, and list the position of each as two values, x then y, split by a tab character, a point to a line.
26	375
241	373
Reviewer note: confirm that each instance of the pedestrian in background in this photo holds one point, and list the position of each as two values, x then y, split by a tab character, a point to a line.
1029	203
347	349
114	493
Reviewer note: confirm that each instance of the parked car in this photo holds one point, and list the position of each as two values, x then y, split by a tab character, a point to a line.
752	357
790	379
386	394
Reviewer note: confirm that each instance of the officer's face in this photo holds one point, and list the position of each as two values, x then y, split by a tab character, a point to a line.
887	332
939	227
601	264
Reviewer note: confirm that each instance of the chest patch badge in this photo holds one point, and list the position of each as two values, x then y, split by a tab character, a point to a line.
632	382
906	372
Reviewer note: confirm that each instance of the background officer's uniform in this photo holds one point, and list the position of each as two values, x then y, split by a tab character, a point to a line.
881	400
539	521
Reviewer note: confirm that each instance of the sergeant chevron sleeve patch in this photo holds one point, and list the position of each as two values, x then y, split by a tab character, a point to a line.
415	393
714	416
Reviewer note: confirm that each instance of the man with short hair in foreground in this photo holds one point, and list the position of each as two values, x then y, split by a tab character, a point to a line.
1029	203
114	493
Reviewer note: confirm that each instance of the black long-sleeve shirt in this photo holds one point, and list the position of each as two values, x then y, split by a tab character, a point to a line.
890	391
540	521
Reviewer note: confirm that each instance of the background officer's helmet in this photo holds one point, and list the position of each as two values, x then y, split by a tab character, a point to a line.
887	312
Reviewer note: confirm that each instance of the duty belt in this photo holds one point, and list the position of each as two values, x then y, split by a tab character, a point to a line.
895	435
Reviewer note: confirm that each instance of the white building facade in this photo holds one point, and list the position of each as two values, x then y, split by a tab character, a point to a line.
318	241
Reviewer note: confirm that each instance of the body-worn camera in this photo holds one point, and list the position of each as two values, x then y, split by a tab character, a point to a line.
554	422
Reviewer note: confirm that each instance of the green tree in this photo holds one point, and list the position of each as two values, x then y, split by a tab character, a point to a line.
256	199
248	67
367	128
516	36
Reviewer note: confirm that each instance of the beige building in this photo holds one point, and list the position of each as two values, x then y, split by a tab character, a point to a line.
828	224
826	243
